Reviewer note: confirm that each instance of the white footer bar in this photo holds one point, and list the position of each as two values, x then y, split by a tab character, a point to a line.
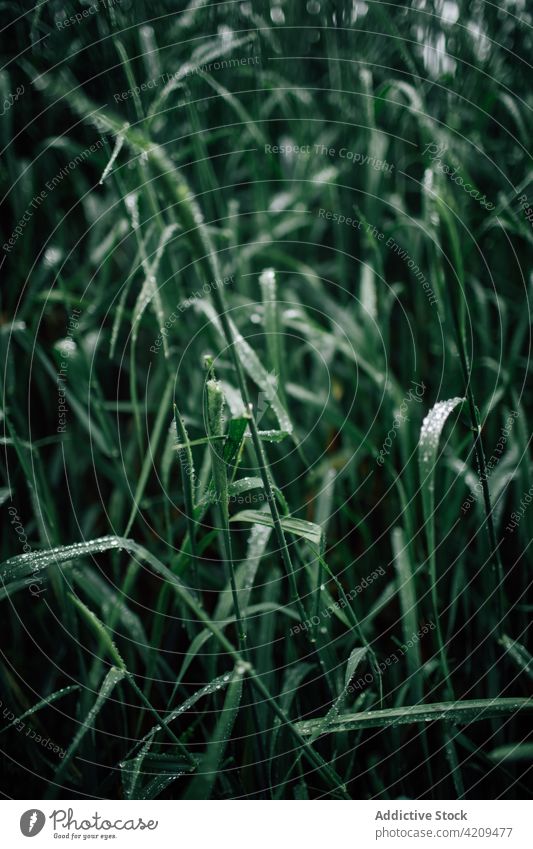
269	825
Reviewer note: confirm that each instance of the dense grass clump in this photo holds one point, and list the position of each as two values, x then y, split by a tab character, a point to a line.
265	336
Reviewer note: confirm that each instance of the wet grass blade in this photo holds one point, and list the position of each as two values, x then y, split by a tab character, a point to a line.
297	527
428	453
460	713
48	700
209	766
113	677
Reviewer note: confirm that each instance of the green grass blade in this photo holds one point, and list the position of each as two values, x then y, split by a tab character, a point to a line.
208	768
461	713
298	527
48	700
428	452
113	677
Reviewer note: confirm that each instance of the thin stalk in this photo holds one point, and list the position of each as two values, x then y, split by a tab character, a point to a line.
355	623
215	404
481	463
220	304
187	475
476	424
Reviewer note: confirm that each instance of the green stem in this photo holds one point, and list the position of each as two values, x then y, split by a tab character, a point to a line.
481	463
474	418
